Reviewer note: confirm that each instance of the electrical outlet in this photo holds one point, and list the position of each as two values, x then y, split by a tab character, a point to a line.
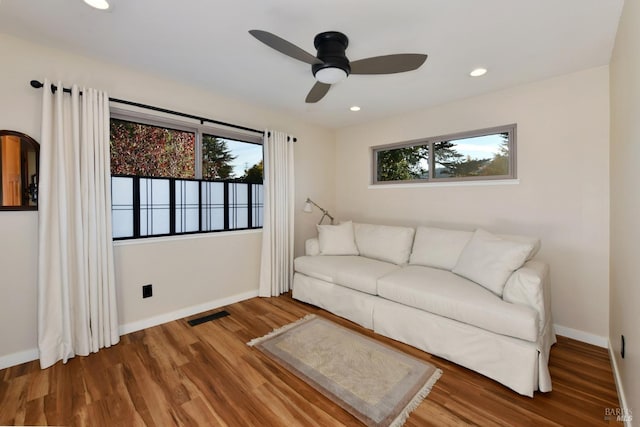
622	346
147	291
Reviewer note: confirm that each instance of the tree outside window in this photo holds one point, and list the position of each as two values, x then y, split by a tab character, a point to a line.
145	150
483	154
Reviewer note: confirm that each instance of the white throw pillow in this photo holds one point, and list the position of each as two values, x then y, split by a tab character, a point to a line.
337	239
384	242
439	248
489	260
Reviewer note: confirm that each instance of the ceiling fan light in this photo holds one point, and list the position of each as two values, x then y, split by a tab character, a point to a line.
330	75
98	4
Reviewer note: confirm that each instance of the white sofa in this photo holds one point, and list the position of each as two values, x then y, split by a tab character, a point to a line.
473	298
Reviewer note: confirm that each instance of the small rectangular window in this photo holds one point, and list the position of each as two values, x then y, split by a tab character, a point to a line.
122	206
186	206
154	207
224	158
257	204
212	206
478	155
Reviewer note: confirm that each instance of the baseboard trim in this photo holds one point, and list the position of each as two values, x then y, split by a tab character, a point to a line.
19	358
188	311
618	380
582	336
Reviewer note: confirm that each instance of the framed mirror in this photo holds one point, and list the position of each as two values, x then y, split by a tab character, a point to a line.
19	166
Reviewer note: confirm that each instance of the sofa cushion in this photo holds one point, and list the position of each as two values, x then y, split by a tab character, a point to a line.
446	294
489	260
437	247
384	242
337	239
353	272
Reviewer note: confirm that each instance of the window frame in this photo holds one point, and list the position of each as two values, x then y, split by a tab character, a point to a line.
510	129
199	129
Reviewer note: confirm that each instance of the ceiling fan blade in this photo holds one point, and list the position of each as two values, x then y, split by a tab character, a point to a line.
283	46
317	92
388	64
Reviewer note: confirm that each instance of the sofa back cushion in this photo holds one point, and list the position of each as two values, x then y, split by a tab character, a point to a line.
437	247
489	260
384	242
337	239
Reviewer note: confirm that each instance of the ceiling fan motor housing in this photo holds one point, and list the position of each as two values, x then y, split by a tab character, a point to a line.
331	46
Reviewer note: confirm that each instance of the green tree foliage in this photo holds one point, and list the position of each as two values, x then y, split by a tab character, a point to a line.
216	158
145	150
447	159
254	174
499	165
468	167
401	164
456	165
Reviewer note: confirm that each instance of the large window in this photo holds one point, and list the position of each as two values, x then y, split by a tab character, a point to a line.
169	179
478	155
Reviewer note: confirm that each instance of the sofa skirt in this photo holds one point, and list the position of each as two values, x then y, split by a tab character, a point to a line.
348	303
518	364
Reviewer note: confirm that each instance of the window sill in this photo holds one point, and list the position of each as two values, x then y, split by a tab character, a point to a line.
151	240
446	184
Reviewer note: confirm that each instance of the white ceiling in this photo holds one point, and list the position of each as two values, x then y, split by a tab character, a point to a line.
206	43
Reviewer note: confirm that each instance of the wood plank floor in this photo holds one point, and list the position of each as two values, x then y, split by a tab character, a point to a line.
175	374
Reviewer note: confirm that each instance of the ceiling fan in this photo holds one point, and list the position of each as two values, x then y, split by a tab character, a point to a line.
331	64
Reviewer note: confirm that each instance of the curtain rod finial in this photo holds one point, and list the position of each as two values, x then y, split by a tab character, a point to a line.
36	84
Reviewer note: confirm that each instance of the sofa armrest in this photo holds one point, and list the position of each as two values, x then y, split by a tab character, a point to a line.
312	247
529	285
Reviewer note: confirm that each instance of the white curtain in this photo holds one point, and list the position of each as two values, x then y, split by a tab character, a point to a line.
276	270
76	287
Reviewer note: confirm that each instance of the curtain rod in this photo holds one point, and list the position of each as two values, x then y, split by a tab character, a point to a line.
37	85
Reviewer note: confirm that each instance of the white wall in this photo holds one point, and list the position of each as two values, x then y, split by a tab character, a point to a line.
562	197
625	205
185	273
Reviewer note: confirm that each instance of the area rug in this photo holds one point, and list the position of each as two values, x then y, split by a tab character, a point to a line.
377	384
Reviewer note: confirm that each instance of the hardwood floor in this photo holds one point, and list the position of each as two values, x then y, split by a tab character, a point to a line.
175	374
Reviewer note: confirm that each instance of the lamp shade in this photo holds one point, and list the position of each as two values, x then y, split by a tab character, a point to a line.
307	207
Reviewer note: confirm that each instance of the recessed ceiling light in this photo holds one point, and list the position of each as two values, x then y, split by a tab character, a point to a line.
478	72
355	108
98	4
